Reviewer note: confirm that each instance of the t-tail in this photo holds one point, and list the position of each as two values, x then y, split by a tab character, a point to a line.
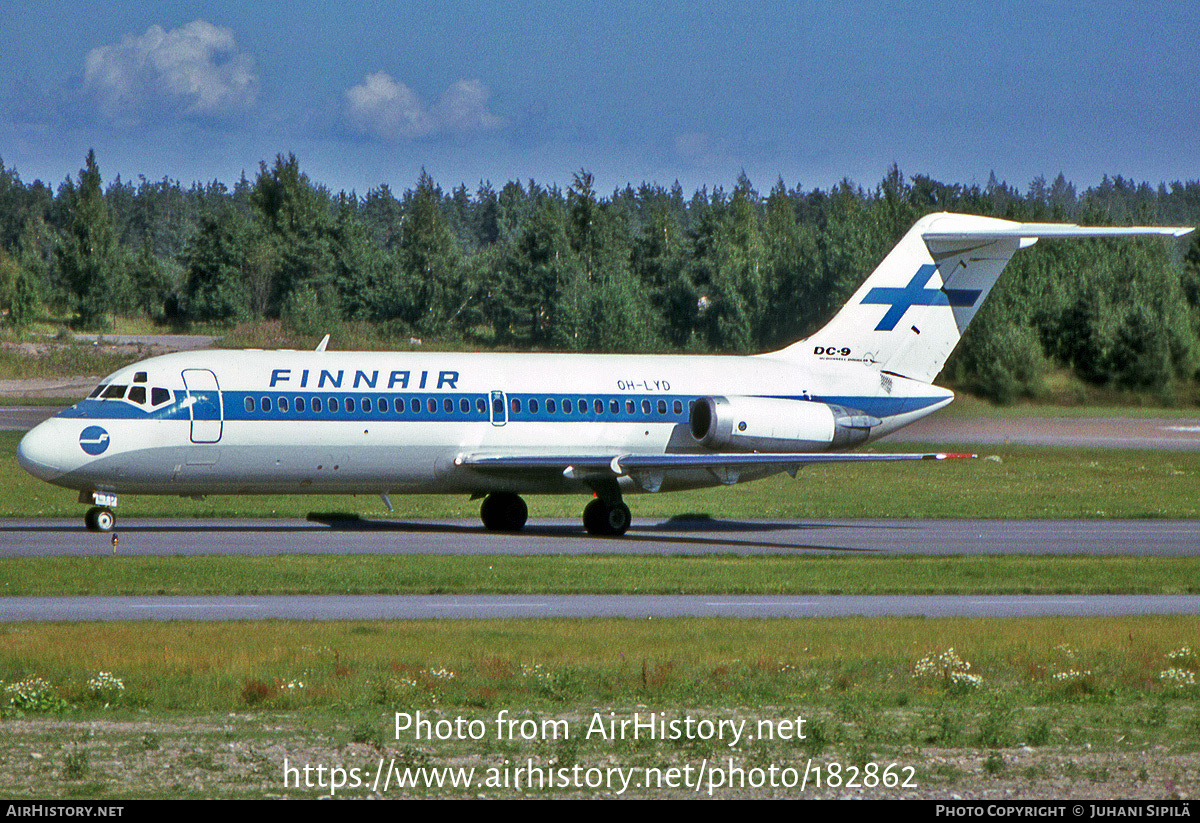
908	316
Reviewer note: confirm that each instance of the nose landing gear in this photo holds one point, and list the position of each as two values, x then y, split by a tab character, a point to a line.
100	519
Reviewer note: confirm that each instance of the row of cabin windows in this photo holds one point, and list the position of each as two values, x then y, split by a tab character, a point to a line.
614	406
381	404
334	404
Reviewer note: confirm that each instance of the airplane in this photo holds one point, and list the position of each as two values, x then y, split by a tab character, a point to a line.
498	425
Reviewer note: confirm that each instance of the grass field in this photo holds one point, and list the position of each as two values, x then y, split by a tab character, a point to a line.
1043	708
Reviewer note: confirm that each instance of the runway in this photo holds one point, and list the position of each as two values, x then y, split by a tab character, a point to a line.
184	537
1171	434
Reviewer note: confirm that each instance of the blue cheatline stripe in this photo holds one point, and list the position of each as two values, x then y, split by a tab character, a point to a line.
478	407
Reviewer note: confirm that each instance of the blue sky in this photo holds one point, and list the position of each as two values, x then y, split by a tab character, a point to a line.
812	92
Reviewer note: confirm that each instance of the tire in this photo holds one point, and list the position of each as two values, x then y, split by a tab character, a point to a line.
594	515
503	512
600	518
100	520
619	518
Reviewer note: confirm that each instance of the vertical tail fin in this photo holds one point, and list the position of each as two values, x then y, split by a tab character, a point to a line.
908	316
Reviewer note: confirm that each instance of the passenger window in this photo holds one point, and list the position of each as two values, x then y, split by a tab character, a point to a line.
645	407
662	406
283	404
383	405
598	406
138	395
629	407
300	404
333	405
480	405
464	406
448	405
266	404
159	396
582	406
516	406
415	405
614	407
533	405
431	404
366	404
566	406
551	405
678	407
316	404
250	405
349	404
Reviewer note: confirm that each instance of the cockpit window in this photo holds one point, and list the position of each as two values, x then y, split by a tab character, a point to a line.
114	391
158	396
97	391
137	394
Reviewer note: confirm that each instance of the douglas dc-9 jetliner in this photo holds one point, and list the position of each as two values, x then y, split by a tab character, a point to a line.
500	425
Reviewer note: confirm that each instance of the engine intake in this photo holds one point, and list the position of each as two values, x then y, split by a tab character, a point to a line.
766	424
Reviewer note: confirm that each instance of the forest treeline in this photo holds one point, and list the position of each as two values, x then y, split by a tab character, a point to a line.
642	269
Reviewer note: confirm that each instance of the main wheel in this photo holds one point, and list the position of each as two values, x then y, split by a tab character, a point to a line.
601	518
503	512
99	519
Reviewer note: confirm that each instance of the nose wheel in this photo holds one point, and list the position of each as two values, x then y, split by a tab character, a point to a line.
100	519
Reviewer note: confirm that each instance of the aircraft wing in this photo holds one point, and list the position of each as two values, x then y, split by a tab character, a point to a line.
647	469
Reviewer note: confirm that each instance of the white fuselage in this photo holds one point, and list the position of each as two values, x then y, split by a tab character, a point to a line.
255	422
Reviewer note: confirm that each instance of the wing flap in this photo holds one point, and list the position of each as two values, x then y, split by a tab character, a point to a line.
648	469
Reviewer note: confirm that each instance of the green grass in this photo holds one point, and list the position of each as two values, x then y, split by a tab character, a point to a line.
213	710
206	665
593	574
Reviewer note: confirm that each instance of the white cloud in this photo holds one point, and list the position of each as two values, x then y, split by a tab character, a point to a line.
195	69
387	109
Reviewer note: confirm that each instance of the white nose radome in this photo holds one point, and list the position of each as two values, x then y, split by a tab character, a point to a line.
40	452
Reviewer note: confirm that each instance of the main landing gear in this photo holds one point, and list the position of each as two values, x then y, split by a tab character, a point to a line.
507	512
603	518
503	512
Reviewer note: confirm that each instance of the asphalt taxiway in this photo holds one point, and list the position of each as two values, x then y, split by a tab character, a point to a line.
330	534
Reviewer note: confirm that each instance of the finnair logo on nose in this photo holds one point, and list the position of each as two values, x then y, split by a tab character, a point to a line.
93	440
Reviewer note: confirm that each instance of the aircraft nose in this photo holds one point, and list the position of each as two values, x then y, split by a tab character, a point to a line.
39	452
